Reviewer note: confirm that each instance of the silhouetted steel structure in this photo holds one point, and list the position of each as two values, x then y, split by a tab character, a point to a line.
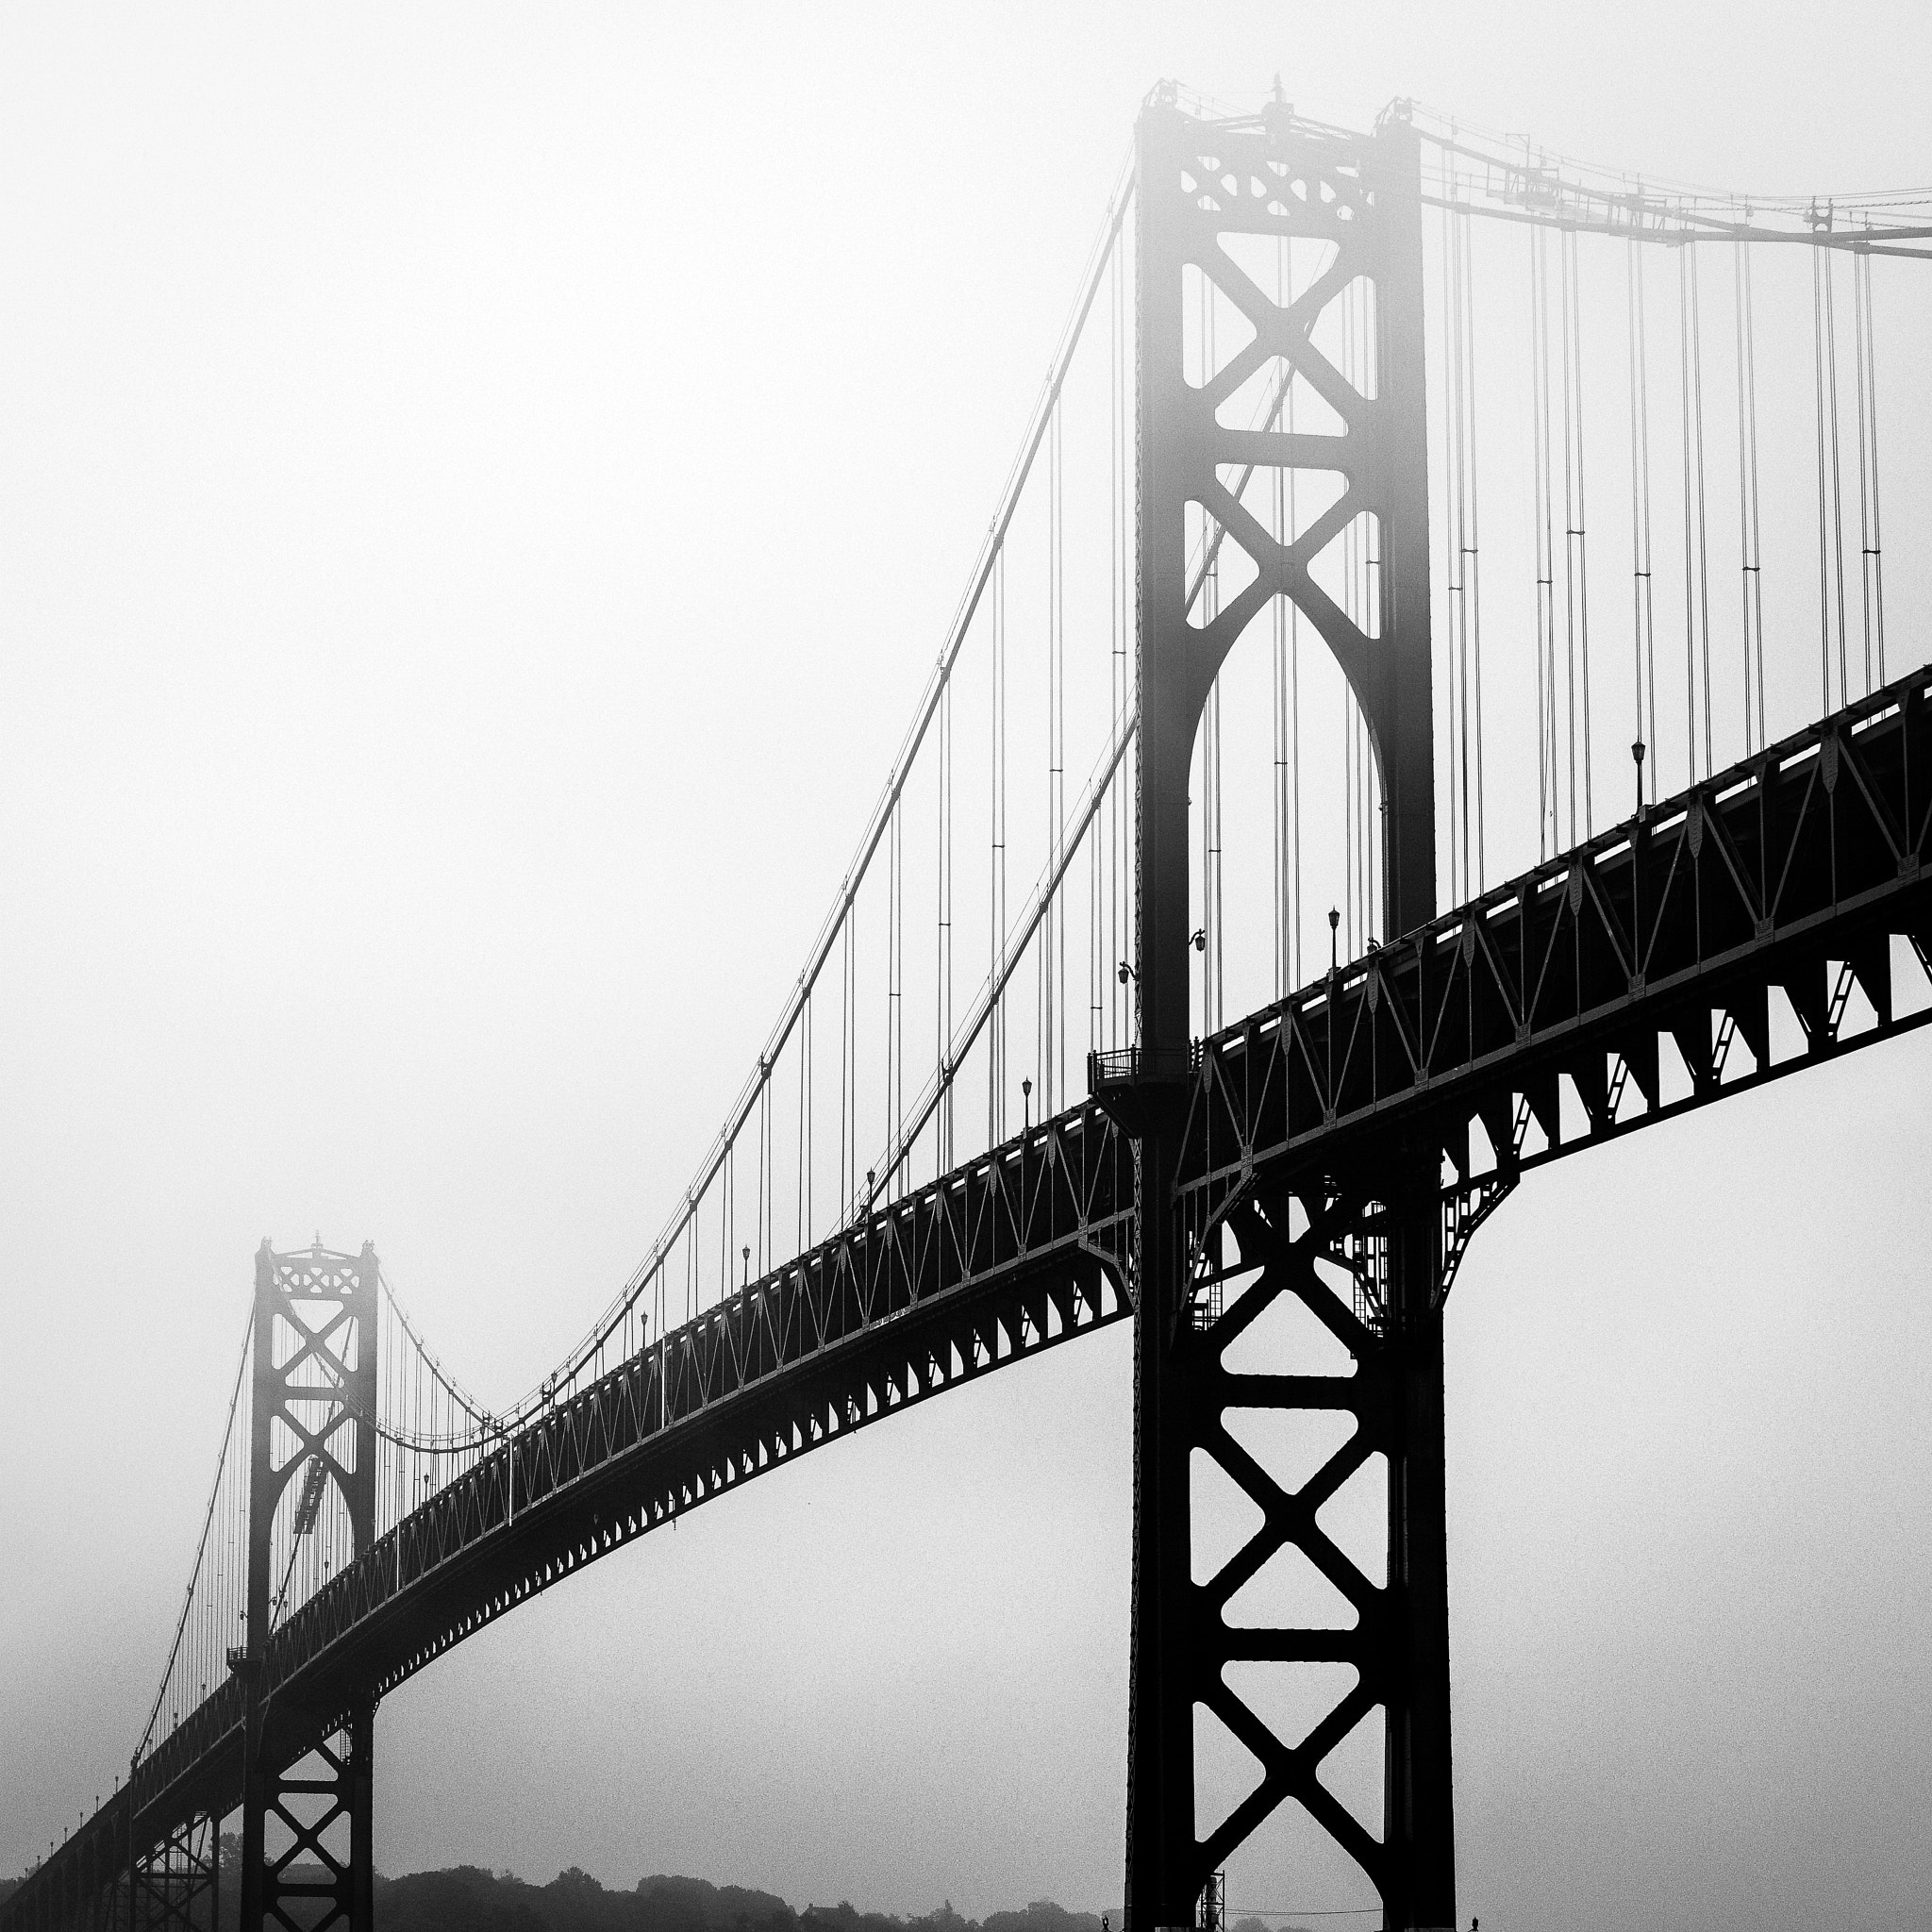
1198	185
1337	1148
314	1416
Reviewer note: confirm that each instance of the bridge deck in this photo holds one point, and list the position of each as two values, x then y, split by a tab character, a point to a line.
1789	873
1785	876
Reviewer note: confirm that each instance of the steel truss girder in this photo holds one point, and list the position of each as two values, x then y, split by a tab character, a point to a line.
1786	877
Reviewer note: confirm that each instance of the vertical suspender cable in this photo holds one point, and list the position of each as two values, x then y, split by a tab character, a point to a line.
1348	602
1294	696
848	1062
1057	768
1643	629
1863	264
1116	674
1452	550
1279	664
1693	512
1347	826
1371	580
804	1223
1702	542
1860	269
1739	251
1213	983
1753	552
1097	959
1473	556
1582	542
1564	248
1547	829
996	1052
1458	348
943	992
1208	586
895	981
1210	722
1823	523
1210	829
1837	517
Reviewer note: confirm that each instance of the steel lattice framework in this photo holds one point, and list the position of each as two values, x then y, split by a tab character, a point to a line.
1204	189
1334	1149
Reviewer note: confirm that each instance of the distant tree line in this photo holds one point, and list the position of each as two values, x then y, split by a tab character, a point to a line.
467	1898
471	1898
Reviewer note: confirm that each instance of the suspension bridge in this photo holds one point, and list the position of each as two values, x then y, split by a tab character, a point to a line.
1408	519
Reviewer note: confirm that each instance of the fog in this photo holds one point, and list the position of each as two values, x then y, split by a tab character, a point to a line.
480	492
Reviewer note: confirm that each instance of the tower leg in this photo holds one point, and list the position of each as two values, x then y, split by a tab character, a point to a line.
1273	193
1418	1804
321	1874
1164	1869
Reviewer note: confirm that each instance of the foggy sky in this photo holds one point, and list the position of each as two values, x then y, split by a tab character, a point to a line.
480	490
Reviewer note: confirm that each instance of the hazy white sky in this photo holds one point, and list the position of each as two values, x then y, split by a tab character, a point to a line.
480	489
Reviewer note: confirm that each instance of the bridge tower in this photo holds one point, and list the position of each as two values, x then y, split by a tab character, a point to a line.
1351	206
314	1418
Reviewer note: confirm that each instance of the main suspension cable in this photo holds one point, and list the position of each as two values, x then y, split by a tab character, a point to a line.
201	1545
